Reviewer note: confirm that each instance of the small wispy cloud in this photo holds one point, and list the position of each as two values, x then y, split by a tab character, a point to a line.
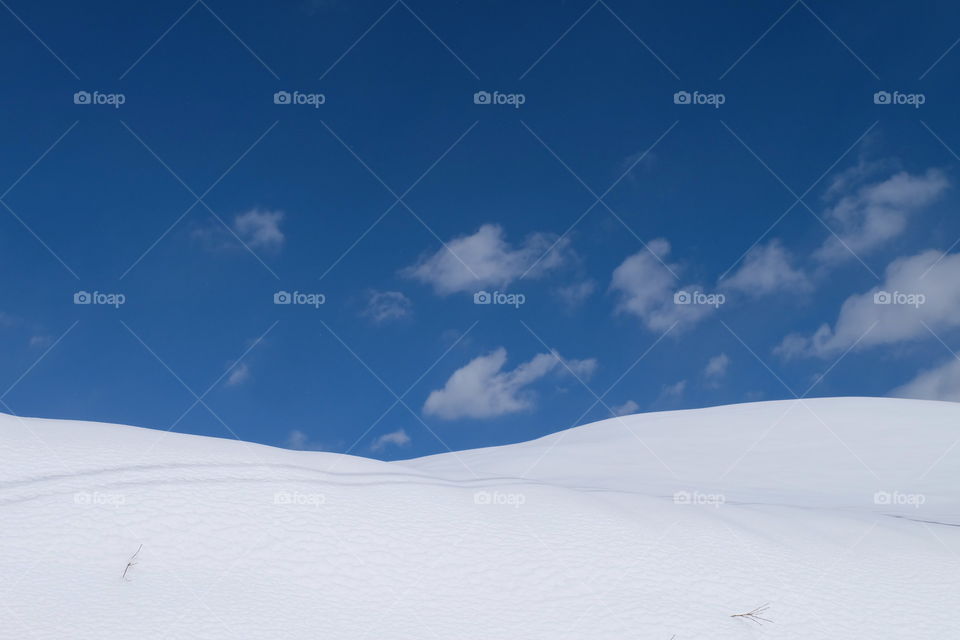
716	368
486	259
573	295
626	408
41	341
646	285
238	375
939	383
260	228
398	438
482	389
673	391
300	441
768	269
384	306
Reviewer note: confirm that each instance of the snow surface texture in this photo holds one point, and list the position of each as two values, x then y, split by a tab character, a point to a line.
842	514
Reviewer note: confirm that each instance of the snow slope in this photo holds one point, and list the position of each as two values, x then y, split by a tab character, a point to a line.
842	514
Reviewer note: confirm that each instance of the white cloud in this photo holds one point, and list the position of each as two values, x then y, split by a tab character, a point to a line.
767	269
717	366
929	274
646	288
639	160
846	180
238	375
482	389
939	383
486	259
626	408
877	212
398	438
41	341
674	390
260	229
299	440
575	294
383	306
582	369
296	439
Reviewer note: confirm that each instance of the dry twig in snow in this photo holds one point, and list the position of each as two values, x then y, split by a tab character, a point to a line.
130	563
755	615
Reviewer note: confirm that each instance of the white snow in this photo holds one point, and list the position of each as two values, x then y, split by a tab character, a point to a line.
843	514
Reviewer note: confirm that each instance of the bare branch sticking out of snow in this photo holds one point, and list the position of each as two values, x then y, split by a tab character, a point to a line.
132	562
756	615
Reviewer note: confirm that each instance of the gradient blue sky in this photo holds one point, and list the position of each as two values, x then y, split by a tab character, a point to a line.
831	196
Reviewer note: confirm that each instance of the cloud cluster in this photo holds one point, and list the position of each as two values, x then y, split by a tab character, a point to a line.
482	389
865	210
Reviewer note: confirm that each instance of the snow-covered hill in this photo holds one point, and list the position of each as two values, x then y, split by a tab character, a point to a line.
842	514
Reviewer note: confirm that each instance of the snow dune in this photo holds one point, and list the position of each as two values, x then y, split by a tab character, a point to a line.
842	514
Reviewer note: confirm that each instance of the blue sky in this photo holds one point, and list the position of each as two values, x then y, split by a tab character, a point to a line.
738	153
